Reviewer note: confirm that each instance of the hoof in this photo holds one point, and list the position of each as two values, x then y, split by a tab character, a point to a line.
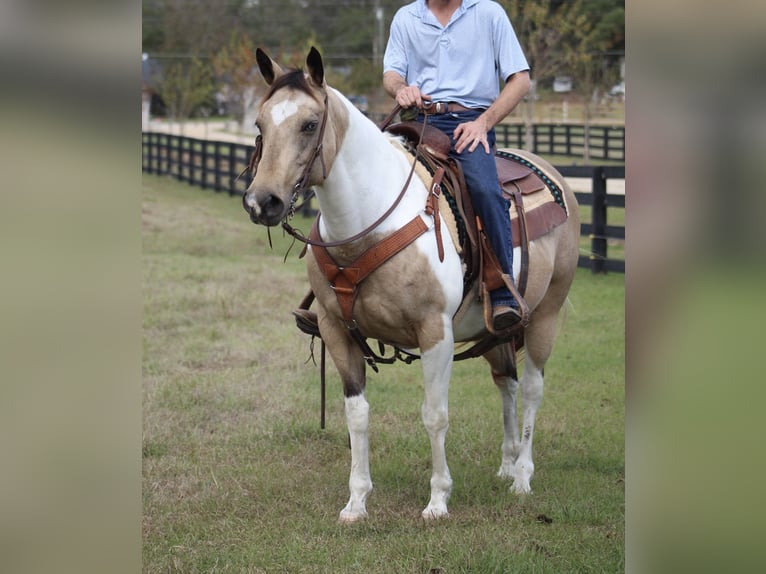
506	471
521	488
348	517
522	478
434	514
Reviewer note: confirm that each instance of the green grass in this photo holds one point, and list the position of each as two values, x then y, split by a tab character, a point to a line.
238	476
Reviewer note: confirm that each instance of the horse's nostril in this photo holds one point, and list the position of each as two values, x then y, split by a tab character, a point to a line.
273	205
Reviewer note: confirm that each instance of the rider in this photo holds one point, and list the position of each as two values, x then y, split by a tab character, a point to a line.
454	52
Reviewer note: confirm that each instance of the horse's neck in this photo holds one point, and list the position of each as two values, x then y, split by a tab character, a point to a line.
366	178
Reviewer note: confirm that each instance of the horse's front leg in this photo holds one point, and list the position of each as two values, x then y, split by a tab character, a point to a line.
349	361
359	481
437	368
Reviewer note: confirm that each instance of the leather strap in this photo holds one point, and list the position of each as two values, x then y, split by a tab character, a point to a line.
389	118
345	279
432	209
492	277
523	239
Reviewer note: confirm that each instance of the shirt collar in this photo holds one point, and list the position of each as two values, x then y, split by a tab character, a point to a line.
423	7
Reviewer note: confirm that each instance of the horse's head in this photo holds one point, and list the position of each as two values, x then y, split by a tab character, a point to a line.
297	140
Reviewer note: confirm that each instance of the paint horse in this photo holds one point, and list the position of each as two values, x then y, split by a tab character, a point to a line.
312	136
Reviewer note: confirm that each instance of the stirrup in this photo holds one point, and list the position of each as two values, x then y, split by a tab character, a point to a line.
307	321
505	318
523	311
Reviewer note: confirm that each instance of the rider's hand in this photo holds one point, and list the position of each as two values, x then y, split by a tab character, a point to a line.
470	135
409	96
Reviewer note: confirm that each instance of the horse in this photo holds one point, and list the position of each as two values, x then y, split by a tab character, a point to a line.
312	136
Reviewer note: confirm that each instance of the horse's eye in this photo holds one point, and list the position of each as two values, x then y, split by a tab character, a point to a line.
309	127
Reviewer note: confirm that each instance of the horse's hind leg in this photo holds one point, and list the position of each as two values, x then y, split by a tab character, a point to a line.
538	342
517	460
503	368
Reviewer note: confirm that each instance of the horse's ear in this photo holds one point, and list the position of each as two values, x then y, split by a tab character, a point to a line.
268	67
315	67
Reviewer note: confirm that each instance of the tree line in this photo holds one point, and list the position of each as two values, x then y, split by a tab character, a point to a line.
200	48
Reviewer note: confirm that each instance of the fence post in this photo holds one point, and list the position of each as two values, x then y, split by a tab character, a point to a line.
217	166
192	162
162	152
146	152
179	157
598	221
204	158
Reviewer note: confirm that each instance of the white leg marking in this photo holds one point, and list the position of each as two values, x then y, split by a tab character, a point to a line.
532	396
511	444
283	110
359	482
437	367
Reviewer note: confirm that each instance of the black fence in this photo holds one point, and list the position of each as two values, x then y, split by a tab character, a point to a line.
604	142
598	230
217	165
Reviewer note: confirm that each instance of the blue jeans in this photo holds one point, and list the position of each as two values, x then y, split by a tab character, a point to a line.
486	195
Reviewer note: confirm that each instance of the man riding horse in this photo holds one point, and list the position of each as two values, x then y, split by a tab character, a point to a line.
451	52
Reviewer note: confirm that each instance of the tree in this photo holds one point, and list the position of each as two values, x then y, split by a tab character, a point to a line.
609	24
586	55
543	30
184	85
236	68
184	27
572	38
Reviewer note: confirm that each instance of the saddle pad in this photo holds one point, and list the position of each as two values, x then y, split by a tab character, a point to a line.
543	204
540	220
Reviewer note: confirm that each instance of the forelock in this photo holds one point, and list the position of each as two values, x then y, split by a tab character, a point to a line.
294	79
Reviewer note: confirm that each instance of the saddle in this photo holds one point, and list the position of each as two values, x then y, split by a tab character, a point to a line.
537	205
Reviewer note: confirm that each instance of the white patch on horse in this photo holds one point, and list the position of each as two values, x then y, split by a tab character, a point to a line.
283	110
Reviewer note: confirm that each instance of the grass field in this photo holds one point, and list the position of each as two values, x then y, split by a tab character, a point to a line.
238	476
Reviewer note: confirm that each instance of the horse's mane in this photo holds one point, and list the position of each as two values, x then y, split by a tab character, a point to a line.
295	79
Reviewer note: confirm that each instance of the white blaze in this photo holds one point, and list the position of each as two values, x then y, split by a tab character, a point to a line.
282	111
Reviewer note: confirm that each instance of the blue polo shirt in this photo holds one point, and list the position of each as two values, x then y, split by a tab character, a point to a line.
461	62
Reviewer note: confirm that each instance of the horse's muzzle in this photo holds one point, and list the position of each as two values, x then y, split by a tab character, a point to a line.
269	210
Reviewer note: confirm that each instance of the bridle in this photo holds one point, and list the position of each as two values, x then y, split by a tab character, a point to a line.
302	184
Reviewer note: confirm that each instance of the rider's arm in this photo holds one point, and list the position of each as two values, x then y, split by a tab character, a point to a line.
516	87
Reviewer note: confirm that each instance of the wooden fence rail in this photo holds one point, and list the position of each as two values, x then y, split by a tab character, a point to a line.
604	142
216	165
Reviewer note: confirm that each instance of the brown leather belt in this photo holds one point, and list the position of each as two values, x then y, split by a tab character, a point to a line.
446	107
